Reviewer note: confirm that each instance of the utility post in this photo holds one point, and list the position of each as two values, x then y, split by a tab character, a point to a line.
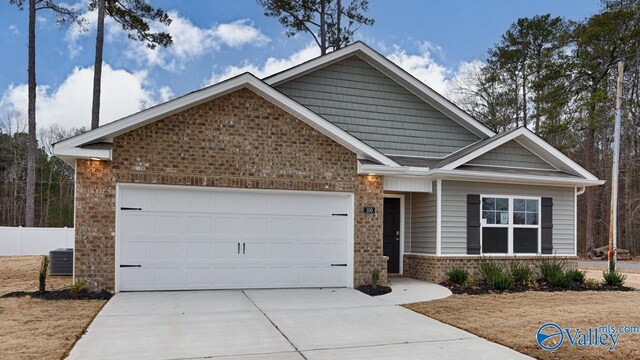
613	214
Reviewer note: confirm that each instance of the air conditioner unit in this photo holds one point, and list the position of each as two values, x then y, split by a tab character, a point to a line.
61	262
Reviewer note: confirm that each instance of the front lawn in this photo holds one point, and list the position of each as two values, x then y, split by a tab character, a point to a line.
512	319
35	328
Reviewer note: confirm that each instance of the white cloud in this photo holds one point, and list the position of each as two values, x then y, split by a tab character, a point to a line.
423	66
189	40
14	29
420	64
239	33
69	104
270	66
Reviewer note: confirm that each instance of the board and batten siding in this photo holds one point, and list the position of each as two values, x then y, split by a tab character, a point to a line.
454	212
511	154
423	223
363	101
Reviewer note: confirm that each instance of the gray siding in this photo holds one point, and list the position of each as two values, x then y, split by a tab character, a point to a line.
454	212
423	223
511	154
372	107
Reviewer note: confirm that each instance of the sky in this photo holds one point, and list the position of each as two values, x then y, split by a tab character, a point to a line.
434	40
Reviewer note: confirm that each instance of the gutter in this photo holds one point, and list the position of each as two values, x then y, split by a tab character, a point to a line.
464	175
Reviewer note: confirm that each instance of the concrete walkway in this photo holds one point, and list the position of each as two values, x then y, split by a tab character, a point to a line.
407	291
272	324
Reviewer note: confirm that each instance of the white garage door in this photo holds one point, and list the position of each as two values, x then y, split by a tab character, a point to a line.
177	238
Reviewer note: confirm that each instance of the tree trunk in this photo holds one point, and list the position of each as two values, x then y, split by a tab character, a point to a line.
97	67
589	220
323	27
31	113
338	43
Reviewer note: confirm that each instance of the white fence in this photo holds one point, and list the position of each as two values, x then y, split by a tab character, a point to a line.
34	241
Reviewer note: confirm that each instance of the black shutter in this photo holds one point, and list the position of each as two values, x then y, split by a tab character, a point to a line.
546	216
473	224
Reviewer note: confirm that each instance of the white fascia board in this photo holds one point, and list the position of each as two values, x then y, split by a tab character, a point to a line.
466	175
374	169
80	153
523	132
182	103
391	69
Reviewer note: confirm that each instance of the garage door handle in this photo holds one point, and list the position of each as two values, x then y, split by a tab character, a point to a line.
129	208
128	266
338	264
339	214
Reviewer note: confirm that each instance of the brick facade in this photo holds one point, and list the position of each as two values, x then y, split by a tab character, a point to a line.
434	268
239	141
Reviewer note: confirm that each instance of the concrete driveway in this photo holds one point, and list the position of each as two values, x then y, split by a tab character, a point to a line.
272	324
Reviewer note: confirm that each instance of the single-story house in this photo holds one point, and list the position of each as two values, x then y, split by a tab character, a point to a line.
312	177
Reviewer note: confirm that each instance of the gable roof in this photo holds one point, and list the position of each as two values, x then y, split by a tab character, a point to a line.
394	72
80	146
527	139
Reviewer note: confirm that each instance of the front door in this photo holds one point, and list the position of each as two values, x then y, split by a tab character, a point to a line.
391	231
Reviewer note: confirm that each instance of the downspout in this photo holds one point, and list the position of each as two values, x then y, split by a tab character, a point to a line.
581	191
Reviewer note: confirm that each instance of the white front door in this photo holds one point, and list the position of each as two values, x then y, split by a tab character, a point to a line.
178	238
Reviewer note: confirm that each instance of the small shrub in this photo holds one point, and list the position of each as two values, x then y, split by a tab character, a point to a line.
576	276
457	276
77	287
490	270
42	276
551	267
614	278
591	283
495	274
531	282
471	282
519	271
561	279
375	277
503	281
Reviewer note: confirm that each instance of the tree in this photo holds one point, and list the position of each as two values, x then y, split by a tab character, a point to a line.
64	16
134	16
601	42
322	19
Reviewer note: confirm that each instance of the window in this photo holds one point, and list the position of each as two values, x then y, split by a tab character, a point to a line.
510	225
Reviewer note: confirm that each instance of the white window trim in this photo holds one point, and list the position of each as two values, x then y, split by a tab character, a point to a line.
510	226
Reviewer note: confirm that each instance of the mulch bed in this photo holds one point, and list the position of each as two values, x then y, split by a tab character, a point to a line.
371	291
61	294
486	289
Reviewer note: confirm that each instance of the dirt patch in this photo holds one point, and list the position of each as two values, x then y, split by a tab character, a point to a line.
34	328
374	291
20	273
512	319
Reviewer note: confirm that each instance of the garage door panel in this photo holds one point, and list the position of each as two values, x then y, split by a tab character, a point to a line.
133	251
229	225
257	226
200	250
199	277
225	239
199	225
284	251
172	250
